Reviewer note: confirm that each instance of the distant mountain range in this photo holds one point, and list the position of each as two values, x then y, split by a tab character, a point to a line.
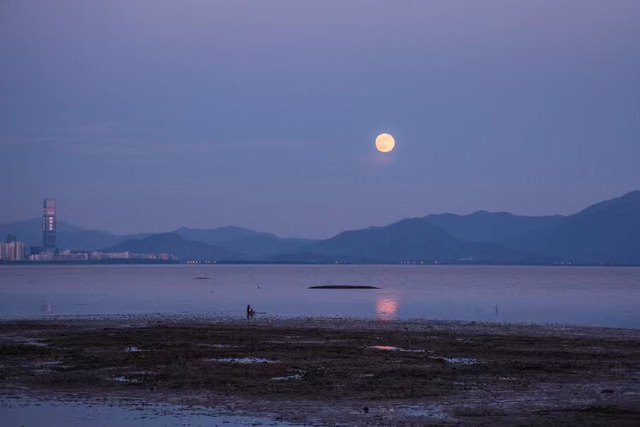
68	236
605	232
226	243
223	243
248	244
177	245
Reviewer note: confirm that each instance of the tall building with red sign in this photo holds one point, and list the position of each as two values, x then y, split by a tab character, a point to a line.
49	225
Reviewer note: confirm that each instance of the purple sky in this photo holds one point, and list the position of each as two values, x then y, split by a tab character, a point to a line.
150	115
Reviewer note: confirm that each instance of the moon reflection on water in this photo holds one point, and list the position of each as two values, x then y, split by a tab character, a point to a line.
386	308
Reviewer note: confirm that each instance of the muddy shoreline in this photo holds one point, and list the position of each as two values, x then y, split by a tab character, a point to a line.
327	371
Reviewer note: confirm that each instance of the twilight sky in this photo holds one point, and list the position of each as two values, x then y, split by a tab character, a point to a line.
150	115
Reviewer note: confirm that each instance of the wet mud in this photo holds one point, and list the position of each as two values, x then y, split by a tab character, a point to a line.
314	371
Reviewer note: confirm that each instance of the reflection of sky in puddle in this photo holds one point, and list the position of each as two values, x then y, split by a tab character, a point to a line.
242	360
580	295
432	411
459	360
124	379
43	413
288	377
391	348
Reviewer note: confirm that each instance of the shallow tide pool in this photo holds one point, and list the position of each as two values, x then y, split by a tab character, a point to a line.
23	411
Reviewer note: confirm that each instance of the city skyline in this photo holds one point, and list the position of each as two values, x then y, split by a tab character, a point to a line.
148	116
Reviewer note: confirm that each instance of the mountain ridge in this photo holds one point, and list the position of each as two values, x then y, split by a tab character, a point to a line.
177	245
608	231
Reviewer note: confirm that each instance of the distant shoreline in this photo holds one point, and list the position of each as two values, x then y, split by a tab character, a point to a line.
101	262
447	263
326	322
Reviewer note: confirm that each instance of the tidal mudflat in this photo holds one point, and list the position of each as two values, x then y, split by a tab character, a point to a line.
327	371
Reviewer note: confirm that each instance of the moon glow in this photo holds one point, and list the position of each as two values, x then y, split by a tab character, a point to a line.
385	142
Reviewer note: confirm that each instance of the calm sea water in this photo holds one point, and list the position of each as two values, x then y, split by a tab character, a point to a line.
597	296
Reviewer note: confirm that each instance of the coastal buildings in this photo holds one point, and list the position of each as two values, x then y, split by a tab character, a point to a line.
13	251
98	256
49	225
102	256
69	255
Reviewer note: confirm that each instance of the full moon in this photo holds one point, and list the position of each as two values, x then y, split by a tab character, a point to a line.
385	142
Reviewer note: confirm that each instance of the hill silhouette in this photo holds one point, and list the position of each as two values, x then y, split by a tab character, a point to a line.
253	244
605	232
410	239
172	243
483	226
